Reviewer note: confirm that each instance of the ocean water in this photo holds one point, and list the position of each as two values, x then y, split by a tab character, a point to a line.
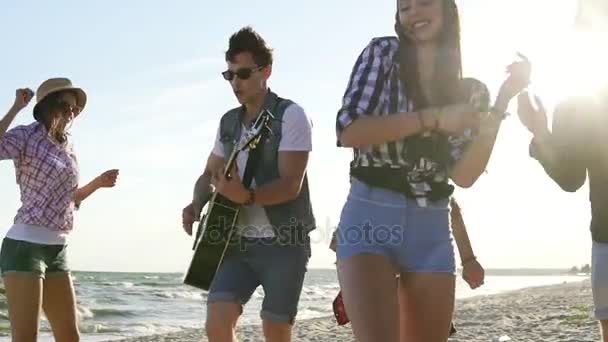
118	305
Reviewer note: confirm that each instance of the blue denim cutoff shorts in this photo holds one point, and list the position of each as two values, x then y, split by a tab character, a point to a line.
279	269
383	222
32	258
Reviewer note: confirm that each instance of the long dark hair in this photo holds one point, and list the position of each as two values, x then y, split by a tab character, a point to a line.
448	64
46	111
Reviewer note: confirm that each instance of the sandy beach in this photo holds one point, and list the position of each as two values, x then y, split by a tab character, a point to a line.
550	313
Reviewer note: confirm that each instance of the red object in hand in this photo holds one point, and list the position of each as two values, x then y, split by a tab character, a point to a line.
339	310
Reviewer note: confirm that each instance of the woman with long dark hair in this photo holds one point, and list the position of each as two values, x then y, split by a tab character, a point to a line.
33	258
414	125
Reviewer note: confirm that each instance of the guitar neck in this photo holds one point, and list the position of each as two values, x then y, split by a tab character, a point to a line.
251	141
230	163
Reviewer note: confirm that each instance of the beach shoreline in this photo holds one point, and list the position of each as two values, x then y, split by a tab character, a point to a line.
561	312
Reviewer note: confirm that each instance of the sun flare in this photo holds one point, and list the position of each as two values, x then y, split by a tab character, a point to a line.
576	66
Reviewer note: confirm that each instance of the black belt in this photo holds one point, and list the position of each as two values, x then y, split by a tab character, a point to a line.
395	179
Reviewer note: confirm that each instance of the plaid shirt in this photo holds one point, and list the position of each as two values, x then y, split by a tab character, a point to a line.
375	89
47	174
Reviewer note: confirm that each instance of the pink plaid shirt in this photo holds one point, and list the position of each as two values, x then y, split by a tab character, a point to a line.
47	174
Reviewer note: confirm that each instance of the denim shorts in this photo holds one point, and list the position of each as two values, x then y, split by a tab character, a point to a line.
279	269
599	279
32	258
383	222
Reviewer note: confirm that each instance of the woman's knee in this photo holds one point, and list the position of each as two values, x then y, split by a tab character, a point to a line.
70	334
22	335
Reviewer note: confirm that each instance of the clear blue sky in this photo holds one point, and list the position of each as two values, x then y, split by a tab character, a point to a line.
152	72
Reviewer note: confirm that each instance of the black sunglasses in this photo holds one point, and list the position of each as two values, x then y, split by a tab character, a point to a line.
242	73
66	107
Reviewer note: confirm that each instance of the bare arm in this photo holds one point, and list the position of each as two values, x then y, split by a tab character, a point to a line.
356	125
22	98
202	192
82	193
105	180
475	159
377	130
292	167
472	271
202	188
562	152
12	144
461	236
569	172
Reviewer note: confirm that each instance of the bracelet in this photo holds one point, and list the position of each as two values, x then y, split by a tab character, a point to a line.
467	261
501	115
251	198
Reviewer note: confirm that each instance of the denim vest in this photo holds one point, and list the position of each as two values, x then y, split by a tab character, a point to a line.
292	220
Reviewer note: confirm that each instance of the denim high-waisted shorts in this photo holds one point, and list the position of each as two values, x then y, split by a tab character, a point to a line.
383	222
32	258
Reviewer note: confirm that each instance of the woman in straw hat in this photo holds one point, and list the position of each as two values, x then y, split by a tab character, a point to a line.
33	256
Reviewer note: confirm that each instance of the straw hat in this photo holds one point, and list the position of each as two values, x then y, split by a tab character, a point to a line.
54	85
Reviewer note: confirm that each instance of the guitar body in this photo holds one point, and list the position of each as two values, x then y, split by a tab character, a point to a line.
212	242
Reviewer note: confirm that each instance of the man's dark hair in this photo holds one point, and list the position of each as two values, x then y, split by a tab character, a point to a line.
247	40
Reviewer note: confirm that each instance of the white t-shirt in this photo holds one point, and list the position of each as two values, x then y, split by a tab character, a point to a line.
296	135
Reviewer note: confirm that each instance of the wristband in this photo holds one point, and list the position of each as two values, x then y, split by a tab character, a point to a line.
500	114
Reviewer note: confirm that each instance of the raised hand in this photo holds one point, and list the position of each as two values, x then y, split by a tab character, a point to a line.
517	80
23	96
534	119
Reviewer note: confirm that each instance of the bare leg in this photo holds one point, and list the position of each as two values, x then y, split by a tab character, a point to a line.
370	297
59	304
221	321
426	303
24	297
277	332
